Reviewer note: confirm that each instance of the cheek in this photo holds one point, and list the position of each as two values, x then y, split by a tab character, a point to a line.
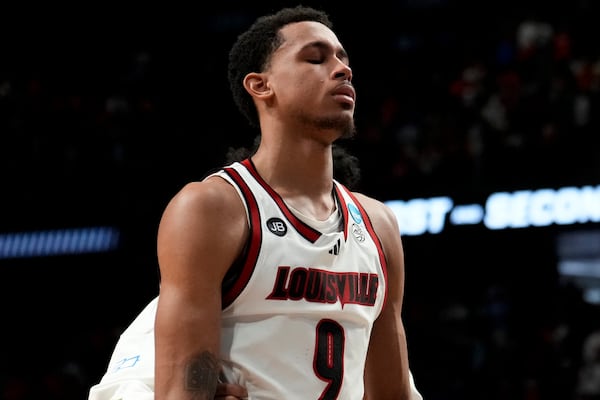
296	85
307	88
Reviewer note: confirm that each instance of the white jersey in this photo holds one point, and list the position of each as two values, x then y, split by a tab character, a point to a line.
297	314
297	321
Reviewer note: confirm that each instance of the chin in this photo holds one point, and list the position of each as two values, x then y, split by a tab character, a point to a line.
349	132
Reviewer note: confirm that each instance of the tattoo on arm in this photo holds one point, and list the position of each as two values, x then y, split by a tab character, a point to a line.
202	374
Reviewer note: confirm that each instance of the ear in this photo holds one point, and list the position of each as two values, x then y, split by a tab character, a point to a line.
257	85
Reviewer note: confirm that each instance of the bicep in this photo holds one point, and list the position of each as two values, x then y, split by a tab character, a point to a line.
202	231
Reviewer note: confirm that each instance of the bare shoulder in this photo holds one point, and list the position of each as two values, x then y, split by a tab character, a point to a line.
208	206
214	196
204	221
382	217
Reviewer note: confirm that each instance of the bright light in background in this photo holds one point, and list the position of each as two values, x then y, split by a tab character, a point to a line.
578	252
418	216
579	261
501	210
58	242
542	207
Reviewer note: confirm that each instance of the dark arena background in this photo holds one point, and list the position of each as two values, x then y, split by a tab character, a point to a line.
478	123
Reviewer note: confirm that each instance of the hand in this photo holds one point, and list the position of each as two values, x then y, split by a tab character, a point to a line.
230	391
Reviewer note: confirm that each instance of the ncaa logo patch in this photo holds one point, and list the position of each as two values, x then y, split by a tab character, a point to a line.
358	233
355	213
277	226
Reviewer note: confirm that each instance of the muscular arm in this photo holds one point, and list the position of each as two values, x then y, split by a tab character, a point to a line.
387	371
201	232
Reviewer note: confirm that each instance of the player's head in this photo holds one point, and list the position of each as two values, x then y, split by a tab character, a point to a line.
253	50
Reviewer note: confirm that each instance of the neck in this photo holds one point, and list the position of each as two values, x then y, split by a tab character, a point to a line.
301	172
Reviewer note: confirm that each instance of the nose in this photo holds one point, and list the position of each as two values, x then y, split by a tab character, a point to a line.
343	72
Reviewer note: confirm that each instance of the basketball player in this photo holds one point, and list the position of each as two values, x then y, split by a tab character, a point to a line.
275	277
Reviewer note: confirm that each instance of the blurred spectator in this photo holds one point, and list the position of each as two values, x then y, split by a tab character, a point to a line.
588	383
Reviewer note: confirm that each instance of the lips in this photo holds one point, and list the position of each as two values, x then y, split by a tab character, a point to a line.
345	93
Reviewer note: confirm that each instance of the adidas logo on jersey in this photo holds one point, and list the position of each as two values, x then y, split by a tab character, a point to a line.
335	250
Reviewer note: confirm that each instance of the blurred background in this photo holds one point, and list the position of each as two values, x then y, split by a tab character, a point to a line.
479	124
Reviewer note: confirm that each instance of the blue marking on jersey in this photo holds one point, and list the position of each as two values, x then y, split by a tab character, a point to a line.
355	213
127	362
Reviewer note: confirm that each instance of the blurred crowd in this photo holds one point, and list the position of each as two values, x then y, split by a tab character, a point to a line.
498	107
448	103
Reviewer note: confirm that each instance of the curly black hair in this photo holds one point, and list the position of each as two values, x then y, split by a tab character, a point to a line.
253	49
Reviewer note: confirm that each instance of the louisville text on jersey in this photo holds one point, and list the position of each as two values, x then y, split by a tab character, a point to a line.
316	285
